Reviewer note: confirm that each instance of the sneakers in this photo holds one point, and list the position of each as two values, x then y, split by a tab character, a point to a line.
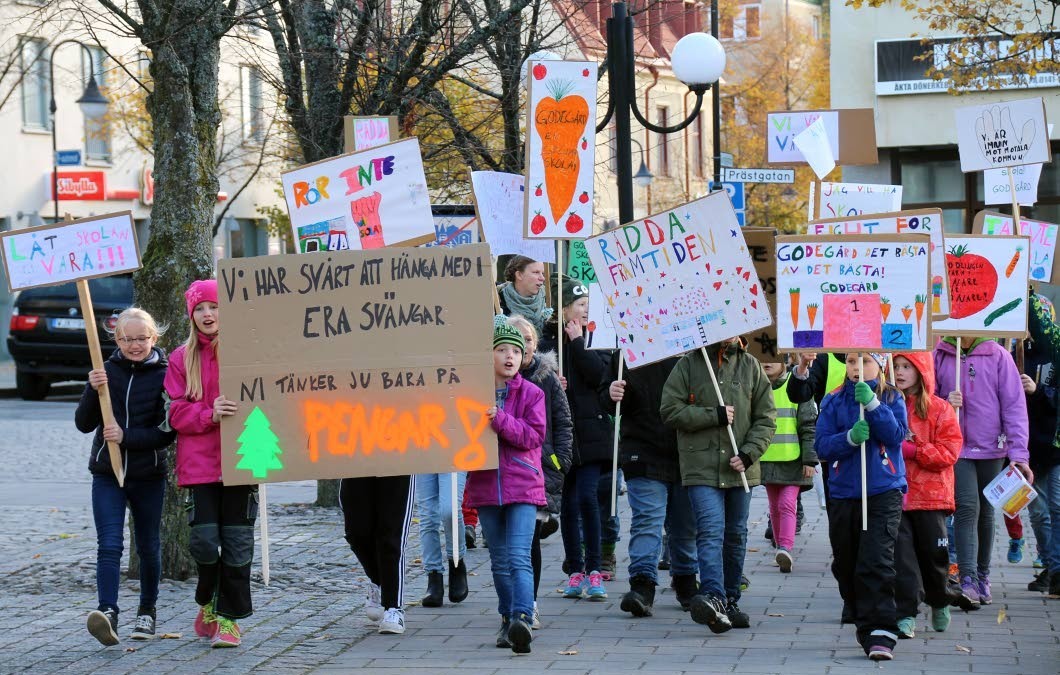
520	635
206	621
880	653
502	636
144	628
940	619
984	590
1038	564
959	599
907	628
103	625
640	598
469	536
1054	585
971	588
596	586
575	586
954	574
608	562
685	588
1040	583
785	560
737	617
228	634
373	604
1015	551
709	610
535	623
745	583
393	622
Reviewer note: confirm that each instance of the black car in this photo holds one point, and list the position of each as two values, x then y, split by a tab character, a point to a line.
47	334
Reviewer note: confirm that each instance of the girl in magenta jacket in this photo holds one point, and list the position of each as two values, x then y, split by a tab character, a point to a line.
221	517
507	497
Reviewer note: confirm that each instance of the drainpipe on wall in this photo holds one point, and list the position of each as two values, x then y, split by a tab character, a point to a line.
647	142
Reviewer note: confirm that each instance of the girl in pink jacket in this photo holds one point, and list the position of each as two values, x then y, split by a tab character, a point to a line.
221	517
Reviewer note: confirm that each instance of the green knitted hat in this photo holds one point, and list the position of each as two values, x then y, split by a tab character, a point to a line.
506	334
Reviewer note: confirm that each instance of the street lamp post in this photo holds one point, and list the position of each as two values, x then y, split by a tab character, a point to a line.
697	60
92	103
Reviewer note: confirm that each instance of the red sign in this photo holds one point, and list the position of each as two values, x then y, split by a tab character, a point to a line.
81	185
147	186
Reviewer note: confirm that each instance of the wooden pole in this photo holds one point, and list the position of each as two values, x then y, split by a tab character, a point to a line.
1017	229
263	519
85	296
864	487
890	369
957	380
614	458
560	323
456	518
721	402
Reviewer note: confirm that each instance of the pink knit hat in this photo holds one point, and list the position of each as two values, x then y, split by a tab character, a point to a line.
200	291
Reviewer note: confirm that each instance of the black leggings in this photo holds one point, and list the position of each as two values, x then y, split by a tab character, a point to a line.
535	556
222	544
377	513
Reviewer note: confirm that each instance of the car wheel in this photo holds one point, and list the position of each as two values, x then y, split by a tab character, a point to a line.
31	387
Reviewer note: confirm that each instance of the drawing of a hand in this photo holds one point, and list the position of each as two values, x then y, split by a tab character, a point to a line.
365	212
996	134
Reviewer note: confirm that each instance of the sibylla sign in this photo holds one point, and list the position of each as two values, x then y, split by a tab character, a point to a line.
80	185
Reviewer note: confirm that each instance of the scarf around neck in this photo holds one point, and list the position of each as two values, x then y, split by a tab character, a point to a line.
533	308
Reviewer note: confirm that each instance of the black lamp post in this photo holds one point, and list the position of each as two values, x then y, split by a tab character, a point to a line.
92	103
698	60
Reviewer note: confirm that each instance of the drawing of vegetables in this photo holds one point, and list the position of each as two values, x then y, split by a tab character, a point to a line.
907	312
560	121
885	308
811	311
1012	263
793	294
921	300
1002	310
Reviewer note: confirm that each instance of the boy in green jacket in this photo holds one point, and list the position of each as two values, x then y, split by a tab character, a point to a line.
711	472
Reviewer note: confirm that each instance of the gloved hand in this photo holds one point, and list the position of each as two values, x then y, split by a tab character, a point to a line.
859	433
863	393
908	449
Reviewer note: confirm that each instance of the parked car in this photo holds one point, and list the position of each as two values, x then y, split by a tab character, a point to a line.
47	337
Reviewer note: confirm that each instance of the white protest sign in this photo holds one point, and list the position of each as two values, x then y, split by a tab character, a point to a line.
842	200
996	188
988	286
499	203
853	293
995	135
816	148
920	221
600	332
679	280
782	127
1042	263
362	200
80	249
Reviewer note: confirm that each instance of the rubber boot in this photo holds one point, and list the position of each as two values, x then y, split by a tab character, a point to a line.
435	590
640	598
457	581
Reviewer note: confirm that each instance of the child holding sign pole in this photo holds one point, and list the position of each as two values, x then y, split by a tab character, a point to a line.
134	374
221	517
710	470
863	560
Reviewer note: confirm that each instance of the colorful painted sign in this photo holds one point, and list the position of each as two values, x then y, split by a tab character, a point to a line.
560	149
364	133
500	203
988	286
81	249
920	221
678	280
363	200
761	244
994	135
853	293
600	332
357	363
578	264
1042	235
844	200
851	135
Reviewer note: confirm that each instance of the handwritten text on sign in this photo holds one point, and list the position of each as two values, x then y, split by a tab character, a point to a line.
843	200
357	363
82	249
988	286
995	135
860	292
678	280
782	127
1042	254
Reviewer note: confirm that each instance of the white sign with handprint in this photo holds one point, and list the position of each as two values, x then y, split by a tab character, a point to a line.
997	135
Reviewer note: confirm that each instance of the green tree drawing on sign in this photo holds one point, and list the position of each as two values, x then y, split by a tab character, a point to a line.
258	446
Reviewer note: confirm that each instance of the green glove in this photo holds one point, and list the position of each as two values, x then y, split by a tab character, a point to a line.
859	433
863	393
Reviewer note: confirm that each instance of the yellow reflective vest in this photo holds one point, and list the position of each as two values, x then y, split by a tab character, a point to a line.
785	446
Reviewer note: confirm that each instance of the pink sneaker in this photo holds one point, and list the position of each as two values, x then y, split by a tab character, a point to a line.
206	621
575	586
228	634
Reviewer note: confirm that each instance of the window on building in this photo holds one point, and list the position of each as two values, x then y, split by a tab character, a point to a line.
97	131
816	28
35	85
246	239
662	148
752	26
744	23
725	27
696	141
252	104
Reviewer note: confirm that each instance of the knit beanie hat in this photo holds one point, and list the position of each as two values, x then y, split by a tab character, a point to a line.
507	334
573	289
880	359
200	291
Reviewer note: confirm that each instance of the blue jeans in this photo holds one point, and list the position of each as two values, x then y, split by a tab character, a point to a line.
1045	516
434	504
721	537
144	498
580	513
651	501
510	531
610	526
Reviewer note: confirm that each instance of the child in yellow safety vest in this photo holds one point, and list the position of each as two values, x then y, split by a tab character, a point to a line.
789	463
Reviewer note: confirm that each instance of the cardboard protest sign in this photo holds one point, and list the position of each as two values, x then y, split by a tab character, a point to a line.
843	200
995	135
919	221
678	280
1042	255
81	249
578	264
851	135
761	244
363	200
364	133
600	333
560	149
997	190
853	293
499	203
357	363
988	286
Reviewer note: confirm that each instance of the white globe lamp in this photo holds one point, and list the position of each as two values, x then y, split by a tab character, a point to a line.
698	60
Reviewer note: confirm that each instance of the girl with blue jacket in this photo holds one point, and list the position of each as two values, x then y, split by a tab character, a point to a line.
863	561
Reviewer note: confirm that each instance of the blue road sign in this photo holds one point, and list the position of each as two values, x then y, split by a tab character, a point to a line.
68	157
735	191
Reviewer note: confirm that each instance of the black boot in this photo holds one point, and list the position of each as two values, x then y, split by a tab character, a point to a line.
457	581
1054	584
435	590
469	536
640	598
685	588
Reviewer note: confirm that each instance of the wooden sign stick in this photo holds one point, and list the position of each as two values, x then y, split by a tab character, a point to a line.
614	458
559	304
263	519
957	380
1017	230
85	296
456	515
864	487
721	402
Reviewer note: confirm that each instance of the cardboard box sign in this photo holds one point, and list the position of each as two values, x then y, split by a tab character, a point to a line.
357	363
851	133
988	286
761	244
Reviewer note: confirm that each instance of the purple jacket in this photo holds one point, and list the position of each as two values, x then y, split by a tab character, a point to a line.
994	416
520	426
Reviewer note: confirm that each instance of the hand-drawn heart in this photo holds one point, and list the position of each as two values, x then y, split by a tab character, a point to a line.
754	289
754	304
747	275
708	267
973	282
621	315
639	291
739	270
745	310
720	271
717	285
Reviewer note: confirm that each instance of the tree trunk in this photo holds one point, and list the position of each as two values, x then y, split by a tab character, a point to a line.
327	493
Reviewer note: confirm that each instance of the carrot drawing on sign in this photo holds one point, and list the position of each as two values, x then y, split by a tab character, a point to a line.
907	312
921	300
811	311
560	121
1012	263
885	308
794	295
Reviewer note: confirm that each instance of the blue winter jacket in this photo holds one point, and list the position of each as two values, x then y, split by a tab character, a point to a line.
883	450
